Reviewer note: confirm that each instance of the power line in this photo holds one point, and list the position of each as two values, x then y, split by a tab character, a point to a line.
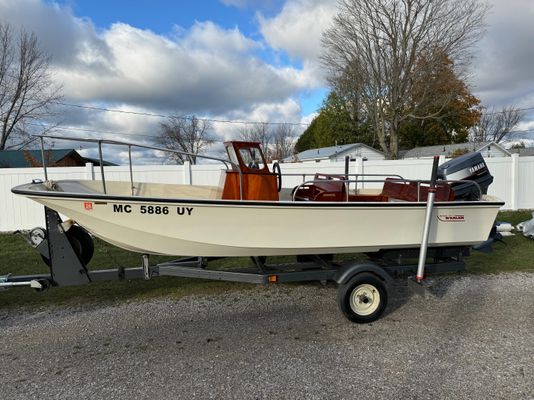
504	111
99	131
189	118
146	135
229	121
145	114
22	144
523	131
73	128
184	117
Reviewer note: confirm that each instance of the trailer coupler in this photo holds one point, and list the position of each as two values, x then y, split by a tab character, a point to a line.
39	285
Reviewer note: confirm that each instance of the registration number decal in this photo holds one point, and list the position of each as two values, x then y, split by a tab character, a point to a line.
150	209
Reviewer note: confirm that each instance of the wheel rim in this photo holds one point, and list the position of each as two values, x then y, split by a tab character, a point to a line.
364	299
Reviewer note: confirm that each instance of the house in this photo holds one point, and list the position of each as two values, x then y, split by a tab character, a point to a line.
488	150
53	158
337	153
525	152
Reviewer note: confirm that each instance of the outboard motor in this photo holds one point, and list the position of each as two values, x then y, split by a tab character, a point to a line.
469	167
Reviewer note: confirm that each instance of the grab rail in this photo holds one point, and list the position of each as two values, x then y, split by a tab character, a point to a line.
234	166
227	163
418	182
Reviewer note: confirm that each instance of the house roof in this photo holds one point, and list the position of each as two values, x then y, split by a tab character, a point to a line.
327	152
448	149
21	158
526	152
29	158
96	161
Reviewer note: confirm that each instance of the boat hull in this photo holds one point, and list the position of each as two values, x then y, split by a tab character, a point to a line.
252	228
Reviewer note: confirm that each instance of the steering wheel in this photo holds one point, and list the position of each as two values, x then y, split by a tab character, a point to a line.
278	172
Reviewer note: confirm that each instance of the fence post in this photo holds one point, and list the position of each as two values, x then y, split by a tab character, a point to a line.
515	182
89	171
188	176
359	165
358	170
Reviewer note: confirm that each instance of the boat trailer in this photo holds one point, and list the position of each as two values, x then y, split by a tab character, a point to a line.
363	285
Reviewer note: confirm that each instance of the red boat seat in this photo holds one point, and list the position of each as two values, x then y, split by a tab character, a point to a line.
408	191
326	187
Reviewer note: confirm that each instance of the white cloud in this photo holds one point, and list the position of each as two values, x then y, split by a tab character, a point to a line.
286	111
308	119
206	36
131	125
297	29
503	69
235	3
206	69
60	33
265	4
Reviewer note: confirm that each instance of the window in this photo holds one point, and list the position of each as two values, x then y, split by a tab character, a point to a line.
251	158
231	154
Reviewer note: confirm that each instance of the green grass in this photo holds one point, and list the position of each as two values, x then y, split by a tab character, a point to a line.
18	258
515	254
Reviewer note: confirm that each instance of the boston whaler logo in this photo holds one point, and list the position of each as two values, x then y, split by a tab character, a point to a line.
88	205
451	217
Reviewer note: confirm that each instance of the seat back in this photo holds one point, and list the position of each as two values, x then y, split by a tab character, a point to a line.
326	187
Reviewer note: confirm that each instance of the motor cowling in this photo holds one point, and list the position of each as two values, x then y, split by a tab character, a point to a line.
468	167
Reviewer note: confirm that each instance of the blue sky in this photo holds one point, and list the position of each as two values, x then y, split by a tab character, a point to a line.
162	15
252	60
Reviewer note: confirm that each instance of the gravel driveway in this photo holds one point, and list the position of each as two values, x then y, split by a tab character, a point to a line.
473	339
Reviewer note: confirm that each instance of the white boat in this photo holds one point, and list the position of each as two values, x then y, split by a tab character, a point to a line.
248	216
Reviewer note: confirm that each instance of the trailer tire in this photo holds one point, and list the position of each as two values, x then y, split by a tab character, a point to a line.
363	298
82	243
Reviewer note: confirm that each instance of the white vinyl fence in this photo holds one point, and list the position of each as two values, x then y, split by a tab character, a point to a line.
514	180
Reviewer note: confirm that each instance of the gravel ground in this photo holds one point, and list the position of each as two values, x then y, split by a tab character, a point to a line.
473	339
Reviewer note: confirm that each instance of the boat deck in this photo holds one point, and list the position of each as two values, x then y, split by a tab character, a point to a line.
139	189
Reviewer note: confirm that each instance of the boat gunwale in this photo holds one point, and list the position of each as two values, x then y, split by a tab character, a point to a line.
306	204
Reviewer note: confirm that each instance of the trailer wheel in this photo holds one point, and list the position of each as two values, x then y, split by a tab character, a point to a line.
82	243
363	298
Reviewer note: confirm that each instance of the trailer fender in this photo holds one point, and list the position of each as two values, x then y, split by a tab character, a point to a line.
347	271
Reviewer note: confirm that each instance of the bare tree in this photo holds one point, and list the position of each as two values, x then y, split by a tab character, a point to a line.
187	134
283	141
380	50
258	132
495	126
27	91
